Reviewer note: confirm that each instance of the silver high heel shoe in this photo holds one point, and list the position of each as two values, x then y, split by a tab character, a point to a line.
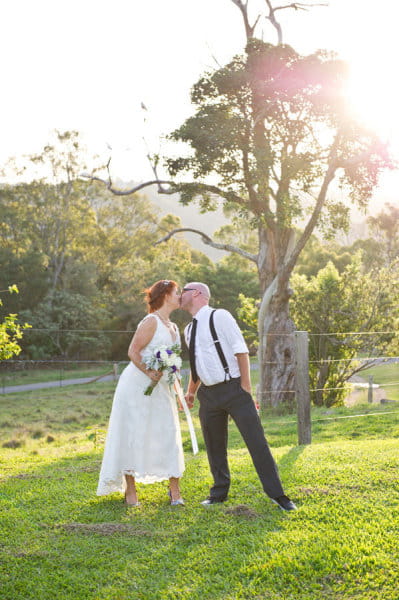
178	502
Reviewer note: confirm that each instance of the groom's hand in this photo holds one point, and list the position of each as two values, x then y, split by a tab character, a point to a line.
247	388
189	398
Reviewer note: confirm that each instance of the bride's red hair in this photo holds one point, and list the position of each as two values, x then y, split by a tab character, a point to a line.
155	295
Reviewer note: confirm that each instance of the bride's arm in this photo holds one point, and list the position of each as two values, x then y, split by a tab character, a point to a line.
141	339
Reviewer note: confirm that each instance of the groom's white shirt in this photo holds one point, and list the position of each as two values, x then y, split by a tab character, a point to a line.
207	360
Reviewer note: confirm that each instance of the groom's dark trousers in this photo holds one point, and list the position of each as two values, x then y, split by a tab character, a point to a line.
217	402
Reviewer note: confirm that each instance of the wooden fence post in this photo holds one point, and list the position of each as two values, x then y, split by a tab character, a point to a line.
302	387
370	390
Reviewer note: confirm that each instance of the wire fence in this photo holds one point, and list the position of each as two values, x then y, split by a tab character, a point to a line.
34	374
279	333
23	375
20	375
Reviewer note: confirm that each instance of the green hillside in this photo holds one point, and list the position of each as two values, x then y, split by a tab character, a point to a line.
58	540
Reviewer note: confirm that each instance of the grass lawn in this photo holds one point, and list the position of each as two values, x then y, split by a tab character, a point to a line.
58	540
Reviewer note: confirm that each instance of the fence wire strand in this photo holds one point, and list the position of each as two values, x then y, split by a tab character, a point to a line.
279	333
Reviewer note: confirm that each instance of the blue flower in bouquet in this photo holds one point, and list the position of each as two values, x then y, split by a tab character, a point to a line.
164	358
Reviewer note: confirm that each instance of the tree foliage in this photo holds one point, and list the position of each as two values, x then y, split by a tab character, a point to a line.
345	314
270	132
352	317
10	332
385	229
266	128
82	258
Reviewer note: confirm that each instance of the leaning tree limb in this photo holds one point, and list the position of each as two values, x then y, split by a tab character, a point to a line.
173	188
335	163
118	192
290	261
207	240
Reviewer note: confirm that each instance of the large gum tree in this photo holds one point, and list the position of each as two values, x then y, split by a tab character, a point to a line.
269	135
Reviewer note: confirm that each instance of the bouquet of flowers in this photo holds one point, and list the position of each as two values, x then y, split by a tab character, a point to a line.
164	358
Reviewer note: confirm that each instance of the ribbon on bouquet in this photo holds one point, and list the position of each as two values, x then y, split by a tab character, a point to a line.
183	402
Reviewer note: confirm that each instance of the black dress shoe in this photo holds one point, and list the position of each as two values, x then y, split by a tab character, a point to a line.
284	503
210	501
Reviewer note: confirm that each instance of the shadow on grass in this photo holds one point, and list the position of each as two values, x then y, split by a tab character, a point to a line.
82	544
287	462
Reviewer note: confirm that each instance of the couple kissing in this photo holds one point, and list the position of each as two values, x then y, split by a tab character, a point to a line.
143	442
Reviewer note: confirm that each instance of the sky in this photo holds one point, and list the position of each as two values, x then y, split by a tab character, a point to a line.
89	64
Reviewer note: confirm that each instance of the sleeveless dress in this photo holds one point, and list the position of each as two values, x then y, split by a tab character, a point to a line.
143	437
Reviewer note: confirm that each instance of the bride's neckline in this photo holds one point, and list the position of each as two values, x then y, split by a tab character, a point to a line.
167	322
169	325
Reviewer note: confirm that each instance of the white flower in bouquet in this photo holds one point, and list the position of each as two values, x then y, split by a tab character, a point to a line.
164	358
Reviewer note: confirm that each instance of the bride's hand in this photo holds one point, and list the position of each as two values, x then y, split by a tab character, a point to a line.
154	375
189	398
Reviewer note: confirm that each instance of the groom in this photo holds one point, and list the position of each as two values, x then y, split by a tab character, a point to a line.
220	375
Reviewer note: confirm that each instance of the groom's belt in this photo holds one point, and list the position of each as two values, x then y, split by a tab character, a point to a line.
221	383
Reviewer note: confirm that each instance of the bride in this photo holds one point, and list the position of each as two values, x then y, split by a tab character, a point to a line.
143	440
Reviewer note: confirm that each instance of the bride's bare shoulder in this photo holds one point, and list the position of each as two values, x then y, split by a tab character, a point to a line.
149	323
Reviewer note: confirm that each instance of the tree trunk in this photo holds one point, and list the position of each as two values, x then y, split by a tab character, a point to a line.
277	358
276	340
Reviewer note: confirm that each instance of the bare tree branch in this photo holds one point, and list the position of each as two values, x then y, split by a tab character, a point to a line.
295	5
249	29
201	187
301	5
207	240
373	362
274	22
153	164
118	192
128	192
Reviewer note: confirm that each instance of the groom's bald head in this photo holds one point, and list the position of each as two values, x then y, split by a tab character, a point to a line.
200	287
194	296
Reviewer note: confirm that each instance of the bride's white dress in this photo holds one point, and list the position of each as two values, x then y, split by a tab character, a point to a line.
143	437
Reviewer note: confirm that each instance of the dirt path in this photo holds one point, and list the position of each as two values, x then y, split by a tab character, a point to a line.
358	392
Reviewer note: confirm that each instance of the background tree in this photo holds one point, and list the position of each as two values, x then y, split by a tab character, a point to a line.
81	257
67	326
346	315
317	254
349	315
269	135
385	230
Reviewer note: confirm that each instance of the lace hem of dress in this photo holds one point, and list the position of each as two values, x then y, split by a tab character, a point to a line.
149	477
108	486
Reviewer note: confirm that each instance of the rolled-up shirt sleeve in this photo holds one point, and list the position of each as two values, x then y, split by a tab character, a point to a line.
229	332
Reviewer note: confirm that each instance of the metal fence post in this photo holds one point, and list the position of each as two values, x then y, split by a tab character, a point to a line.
302	387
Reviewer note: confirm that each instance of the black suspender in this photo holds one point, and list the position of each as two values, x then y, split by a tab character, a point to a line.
218	347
